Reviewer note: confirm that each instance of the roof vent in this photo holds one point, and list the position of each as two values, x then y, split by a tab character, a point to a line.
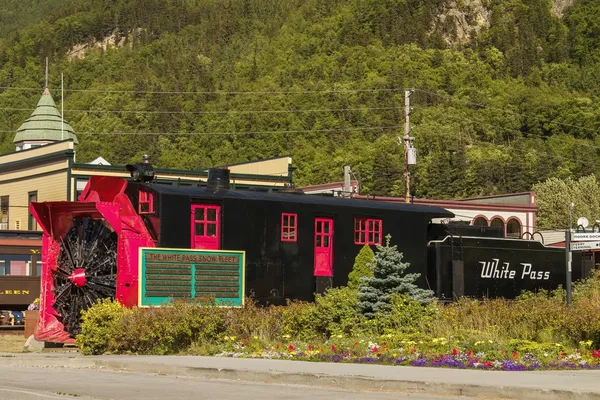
218	179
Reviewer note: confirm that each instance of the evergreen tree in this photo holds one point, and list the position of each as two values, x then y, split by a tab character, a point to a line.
388	278
363	267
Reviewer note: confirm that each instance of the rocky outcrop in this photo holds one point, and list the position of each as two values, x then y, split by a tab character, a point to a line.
115	41
461	19
559	6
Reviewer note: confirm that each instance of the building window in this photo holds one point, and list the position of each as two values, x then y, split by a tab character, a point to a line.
289	226
497	223
367	231
4	212
480	221
146	203
32	223
513	228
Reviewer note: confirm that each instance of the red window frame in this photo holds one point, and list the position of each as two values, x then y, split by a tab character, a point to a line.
368	231
206	226
289	228
145	199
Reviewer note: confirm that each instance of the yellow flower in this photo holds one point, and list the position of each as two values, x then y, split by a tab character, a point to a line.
339	336
255	337
226	338
490	341
286	336
394	355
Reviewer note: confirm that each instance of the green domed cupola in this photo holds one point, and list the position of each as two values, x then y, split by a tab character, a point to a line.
44	126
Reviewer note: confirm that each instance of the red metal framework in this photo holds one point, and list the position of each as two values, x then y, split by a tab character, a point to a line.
145	203
104	200
289	227
367	231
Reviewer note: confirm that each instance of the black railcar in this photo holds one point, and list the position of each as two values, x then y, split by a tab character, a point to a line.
296	244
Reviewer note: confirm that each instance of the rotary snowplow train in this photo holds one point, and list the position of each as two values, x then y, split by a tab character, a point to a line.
295	244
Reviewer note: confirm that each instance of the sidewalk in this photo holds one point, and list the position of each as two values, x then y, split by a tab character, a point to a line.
563	385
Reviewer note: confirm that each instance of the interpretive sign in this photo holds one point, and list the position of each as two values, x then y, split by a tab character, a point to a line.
172	274
584	246
582	236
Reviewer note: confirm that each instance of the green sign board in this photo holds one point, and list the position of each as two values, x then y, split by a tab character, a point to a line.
172	274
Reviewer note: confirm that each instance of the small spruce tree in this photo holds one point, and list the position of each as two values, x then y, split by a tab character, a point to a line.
388	278
363	267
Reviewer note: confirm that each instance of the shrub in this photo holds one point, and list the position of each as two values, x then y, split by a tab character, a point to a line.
101	323
169	330
336	311
363	267
253	320
388	278
299	320
407	316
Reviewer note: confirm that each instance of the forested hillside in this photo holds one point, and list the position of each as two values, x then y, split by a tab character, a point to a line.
211	82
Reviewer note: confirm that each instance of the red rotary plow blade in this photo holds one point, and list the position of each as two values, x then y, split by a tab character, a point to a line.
89	252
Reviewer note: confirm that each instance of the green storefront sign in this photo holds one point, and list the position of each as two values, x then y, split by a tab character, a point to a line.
172	274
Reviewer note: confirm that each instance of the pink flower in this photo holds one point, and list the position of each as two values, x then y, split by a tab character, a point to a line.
596	353
515	354
470	353
291	347
333	348
310	348
455	352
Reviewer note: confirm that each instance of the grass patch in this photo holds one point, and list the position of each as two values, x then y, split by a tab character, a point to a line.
12	343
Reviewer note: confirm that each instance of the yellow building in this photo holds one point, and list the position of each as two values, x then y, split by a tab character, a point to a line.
44	168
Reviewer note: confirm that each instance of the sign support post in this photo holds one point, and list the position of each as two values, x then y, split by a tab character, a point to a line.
569	259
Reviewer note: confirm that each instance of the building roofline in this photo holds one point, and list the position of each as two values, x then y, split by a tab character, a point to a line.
54	143
253	161
455	204
495	196
199	173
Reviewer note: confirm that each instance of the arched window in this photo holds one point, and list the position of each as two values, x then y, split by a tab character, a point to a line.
480	221
513	228
497	223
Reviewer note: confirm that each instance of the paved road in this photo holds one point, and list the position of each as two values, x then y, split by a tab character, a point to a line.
28	383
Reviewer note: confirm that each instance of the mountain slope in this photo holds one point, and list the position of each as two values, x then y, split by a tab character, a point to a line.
212	82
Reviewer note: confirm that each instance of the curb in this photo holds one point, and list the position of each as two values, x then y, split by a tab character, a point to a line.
350	382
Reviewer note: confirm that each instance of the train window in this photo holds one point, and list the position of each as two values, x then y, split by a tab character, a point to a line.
146	203
367	231
289	226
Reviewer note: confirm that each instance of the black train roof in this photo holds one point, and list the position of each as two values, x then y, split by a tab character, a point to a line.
204	193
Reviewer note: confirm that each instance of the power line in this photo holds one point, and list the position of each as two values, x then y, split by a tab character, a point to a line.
224	112
222	93
505	110
520	132
238	133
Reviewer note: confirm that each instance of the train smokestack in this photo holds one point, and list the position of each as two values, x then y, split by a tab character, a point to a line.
218	179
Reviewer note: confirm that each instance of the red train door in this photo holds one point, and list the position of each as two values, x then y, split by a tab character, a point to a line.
323	247
206	227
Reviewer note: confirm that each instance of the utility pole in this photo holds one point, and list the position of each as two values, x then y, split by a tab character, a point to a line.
409	150
62	107
569	256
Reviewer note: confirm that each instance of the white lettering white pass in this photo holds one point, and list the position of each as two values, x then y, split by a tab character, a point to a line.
493	270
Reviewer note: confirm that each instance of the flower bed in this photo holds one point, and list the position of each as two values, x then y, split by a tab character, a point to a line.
363	352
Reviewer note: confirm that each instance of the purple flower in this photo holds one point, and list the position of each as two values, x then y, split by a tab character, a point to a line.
509	365
337	358
421	362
